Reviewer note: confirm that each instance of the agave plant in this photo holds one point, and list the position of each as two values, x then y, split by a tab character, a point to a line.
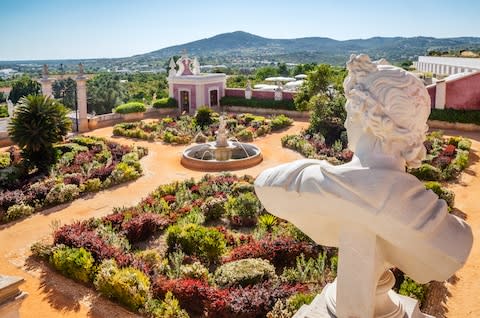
38	123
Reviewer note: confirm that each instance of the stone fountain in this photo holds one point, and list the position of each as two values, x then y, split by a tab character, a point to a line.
221	155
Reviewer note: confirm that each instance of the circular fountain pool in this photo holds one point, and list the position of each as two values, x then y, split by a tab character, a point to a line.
212	157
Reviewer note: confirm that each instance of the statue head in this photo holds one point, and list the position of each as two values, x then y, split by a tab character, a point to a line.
388	105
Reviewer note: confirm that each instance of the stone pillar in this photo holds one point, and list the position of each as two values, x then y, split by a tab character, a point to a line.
440	94
10	296
278	94
82	102
46	86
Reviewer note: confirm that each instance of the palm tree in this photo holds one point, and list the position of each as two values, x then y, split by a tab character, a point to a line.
38	123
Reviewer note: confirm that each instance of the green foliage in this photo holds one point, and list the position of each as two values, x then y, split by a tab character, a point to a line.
306	271
23	87
203	117
38	123
104	93
92	185
328	117
243	205
206	243
61	193
65	90
264	72
464	144
195	271
257	103
280	121
5	160
132	107
168	308
244	272
410	288
298	143
443	193
76	263
17	211
128	285
245	135
427	172
267	222
213	208
456	116
3	111
166	102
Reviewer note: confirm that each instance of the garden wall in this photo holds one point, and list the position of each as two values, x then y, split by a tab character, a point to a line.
461	93
260	94
235	92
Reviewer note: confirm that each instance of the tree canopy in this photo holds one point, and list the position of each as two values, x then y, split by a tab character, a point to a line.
24	86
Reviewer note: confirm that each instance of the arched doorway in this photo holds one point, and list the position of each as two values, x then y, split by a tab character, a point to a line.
185	101
213	97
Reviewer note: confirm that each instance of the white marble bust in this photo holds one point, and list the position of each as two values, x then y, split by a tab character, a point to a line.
372	196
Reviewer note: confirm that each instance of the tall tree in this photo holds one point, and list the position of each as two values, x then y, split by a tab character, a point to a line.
38	123
24	86
65	90
104	93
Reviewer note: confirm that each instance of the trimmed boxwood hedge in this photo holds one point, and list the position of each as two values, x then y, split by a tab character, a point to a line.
166	102
456	116
131	107
257	103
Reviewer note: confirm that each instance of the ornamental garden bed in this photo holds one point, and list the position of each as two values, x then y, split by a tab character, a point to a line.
201	248
84	165
202	127
446	157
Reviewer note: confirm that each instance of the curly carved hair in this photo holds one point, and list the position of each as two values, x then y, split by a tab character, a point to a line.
391	103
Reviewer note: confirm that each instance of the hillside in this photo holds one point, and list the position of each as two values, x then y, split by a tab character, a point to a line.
245	46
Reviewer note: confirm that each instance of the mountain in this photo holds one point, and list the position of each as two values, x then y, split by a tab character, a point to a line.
237	46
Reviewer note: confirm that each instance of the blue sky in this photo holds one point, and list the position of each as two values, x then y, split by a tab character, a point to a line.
54	29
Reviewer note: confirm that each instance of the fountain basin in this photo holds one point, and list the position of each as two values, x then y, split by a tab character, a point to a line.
209	157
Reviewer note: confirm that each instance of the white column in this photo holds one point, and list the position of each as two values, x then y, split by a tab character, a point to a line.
46	86
200	97
440	94
82	103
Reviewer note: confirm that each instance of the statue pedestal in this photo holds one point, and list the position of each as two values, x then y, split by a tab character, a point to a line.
10	296
318	308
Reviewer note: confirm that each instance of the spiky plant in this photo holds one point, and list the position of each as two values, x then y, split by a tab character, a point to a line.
38	123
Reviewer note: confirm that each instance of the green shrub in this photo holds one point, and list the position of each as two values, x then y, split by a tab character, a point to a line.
61	193
245	135
76	263
203	117
4	160
267	222
244	272
166	102
3	111
195	271
410	288
92	185
306	271
464	144
17	211
132	107
296	301
213	208
127	285
427	172
168	308
244	205
456	116
42	250
298	143
206	243
124	172
280	121
443	193
257	103
461	159
263	130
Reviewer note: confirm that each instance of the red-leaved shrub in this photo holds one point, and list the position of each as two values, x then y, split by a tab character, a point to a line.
281	251
144	225
80	235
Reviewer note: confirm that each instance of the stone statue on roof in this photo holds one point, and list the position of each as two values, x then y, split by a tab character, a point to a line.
377	214
45	71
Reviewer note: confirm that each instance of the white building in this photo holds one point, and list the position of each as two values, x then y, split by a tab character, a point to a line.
447	65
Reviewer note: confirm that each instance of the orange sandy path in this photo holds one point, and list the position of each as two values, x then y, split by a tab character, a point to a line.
51	295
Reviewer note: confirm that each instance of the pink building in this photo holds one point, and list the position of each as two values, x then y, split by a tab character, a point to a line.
193	89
